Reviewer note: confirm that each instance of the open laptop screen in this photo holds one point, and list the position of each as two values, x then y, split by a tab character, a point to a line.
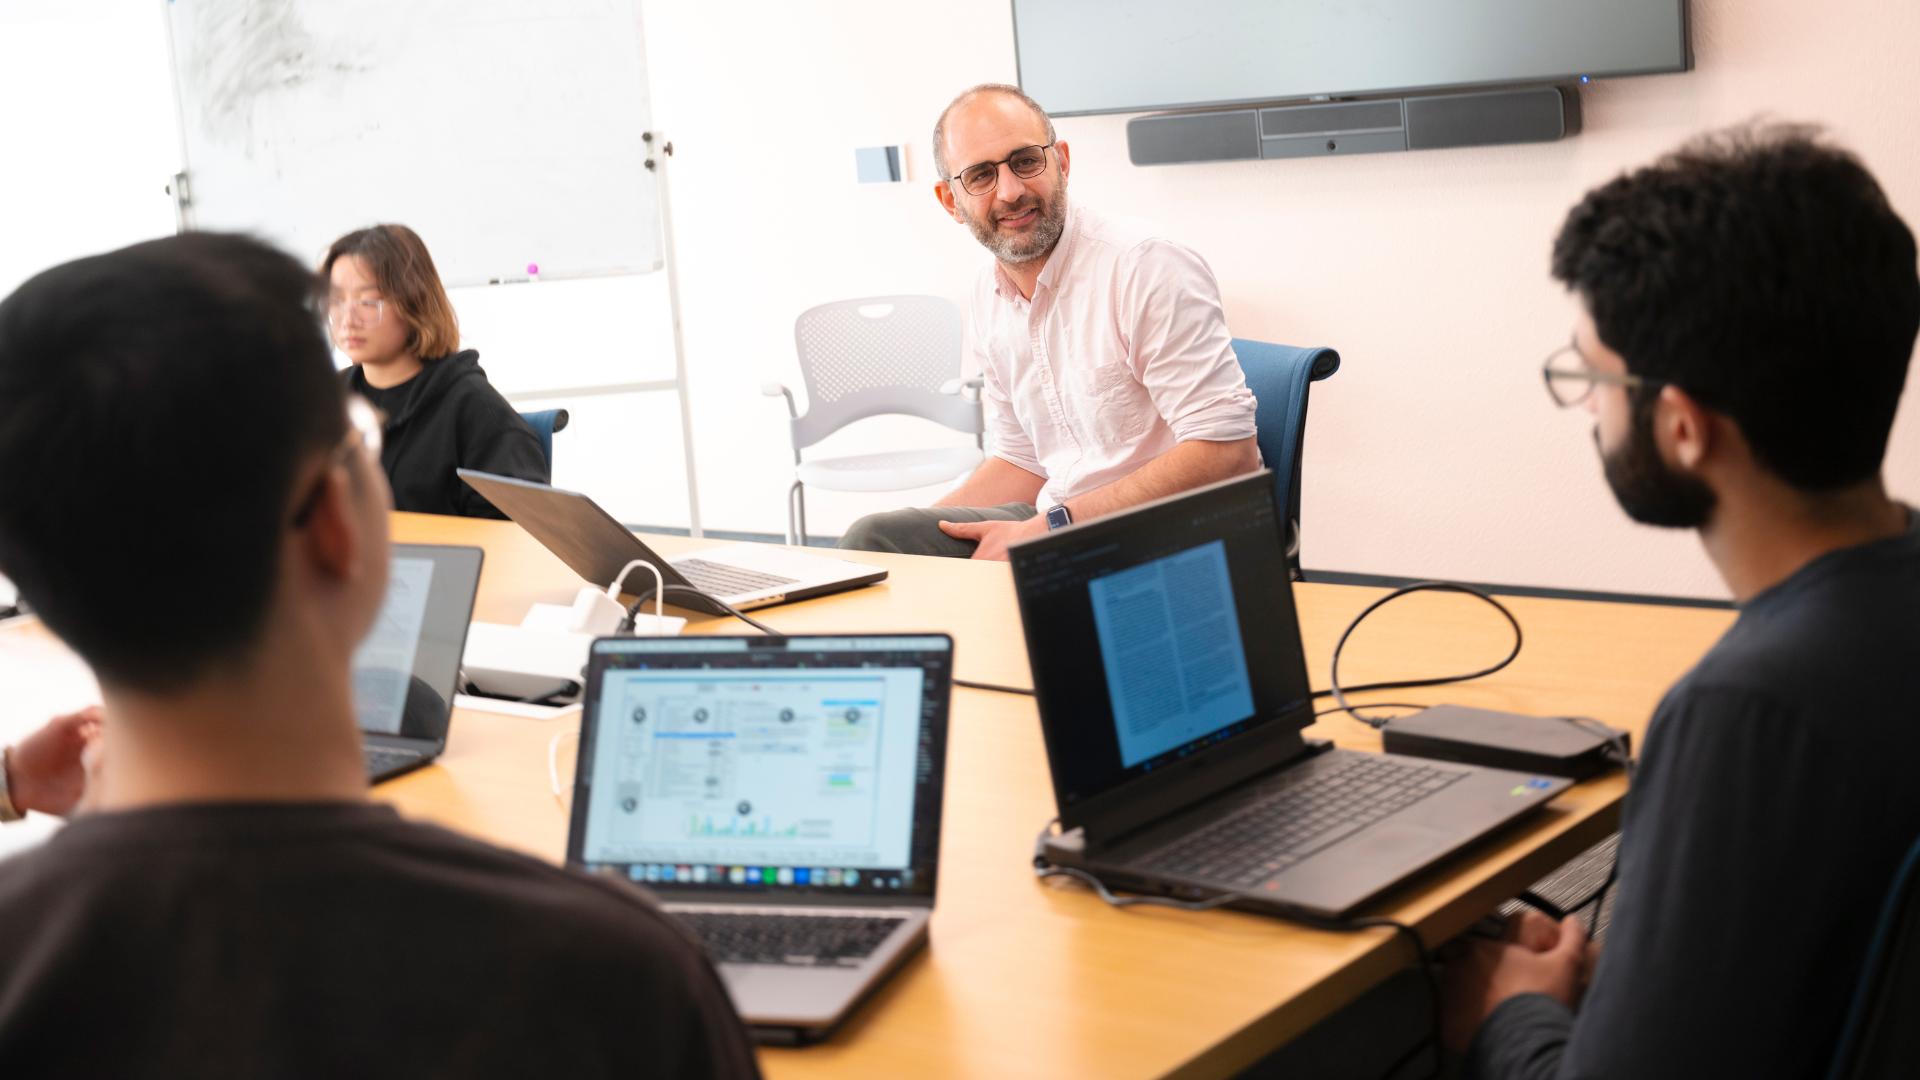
796	764
404	672
1158	633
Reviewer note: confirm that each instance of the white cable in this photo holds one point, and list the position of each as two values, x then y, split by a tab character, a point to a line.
659	592
553	766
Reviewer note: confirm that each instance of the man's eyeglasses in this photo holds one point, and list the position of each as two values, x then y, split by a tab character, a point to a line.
364	423
1025	163
1570	378
365	311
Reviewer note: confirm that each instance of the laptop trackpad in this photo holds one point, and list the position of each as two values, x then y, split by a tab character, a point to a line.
797	995
1344	875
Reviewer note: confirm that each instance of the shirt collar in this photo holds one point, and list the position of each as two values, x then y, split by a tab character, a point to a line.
1056	262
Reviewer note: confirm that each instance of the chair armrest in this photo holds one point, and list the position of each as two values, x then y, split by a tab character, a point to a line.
957	386
776	389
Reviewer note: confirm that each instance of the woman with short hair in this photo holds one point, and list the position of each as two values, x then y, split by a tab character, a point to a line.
389	313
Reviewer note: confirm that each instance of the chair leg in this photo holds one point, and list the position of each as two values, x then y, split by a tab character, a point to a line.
797	515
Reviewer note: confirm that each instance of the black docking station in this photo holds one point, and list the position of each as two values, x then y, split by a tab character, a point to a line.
1548	745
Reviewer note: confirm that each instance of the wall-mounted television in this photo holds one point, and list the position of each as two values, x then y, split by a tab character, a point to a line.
1116	56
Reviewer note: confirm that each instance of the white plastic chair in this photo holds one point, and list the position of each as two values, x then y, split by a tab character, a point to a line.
873	357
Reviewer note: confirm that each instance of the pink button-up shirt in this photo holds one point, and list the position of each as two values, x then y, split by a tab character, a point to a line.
1122	353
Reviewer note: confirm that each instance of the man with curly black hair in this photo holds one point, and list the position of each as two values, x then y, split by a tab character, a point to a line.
1748	311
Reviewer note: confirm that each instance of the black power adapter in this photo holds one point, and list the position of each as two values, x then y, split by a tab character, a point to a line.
1550	745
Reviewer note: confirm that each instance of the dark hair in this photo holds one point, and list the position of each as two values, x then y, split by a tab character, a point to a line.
1763	272
155	404
397	259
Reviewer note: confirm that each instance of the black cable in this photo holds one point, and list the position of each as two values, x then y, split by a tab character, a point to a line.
633	610
1371	705
995	687
1044	868
1340	693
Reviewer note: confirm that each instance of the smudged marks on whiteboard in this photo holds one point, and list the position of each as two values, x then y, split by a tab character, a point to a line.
249	53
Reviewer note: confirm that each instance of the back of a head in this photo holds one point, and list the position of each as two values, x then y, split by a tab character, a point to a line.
397	259
1762	271
155	403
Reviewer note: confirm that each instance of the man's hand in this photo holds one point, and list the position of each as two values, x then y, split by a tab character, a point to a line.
994	536
1536	956
48	770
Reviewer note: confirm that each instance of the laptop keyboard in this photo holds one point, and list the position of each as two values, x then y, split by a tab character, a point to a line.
723	580
803	940
1300	816
381	759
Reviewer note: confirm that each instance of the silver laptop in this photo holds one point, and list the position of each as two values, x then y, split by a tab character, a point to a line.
406	670
1172	690
596	547
781	795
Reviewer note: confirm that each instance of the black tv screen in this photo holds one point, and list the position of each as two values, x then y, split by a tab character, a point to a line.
1110	56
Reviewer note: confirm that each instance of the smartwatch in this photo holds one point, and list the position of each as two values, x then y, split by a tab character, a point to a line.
1058	518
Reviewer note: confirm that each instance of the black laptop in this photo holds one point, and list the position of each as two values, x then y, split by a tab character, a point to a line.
782	795
406	671
1173	690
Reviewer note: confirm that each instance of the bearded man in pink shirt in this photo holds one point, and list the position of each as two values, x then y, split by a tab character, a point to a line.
1107	371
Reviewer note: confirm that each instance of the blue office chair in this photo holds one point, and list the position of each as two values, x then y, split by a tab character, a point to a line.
544	423
1880	1037
1279	376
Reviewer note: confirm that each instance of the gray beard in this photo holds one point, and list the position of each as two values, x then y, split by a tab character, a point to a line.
1014	250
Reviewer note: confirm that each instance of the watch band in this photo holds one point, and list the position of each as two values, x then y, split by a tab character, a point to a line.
8	812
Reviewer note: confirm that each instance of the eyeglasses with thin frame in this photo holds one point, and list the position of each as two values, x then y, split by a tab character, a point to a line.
1570	378
1025	163
342	311
364	423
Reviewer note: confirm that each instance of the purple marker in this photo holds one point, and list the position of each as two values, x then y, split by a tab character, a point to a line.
533	271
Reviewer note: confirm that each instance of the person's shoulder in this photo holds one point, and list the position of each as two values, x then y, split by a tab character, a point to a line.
1125	237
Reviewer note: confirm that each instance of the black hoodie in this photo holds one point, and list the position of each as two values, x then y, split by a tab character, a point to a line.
445	418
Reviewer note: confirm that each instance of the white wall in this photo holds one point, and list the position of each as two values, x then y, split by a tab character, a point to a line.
1434	452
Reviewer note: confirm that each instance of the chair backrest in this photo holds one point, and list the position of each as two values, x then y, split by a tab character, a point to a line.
544	423
1881	1037
1279	376
879	355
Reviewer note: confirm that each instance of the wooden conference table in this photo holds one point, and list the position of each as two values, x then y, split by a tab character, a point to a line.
1032	978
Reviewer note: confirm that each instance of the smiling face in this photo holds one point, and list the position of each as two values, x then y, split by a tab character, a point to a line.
1019	220
366	324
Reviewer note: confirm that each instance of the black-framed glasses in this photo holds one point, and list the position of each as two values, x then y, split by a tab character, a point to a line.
1025	163
1570	378
364	424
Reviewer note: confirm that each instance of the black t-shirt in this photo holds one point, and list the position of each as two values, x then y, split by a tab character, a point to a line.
1772	806
339	940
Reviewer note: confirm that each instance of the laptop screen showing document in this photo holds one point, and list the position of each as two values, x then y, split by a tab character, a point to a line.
1159	633
806	766
405	671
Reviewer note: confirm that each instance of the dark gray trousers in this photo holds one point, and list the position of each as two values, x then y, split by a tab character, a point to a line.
916	529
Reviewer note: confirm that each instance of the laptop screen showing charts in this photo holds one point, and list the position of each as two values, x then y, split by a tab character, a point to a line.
1160	633
800	766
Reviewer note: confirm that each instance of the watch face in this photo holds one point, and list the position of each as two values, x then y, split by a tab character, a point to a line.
1057	517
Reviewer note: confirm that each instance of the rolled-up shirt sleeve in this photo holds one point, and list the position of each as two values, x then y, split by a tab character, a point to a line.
1168	307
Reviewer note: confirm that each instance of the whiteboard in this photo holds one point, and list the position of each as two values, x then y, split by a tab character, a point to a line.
506	133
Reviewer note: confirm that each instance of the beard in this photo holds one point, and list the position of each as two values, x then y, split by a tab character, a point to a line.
1048	224
1649	490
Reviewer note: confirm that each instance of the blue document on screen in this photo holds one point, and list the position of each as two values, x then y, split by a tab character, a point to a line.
1170	642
